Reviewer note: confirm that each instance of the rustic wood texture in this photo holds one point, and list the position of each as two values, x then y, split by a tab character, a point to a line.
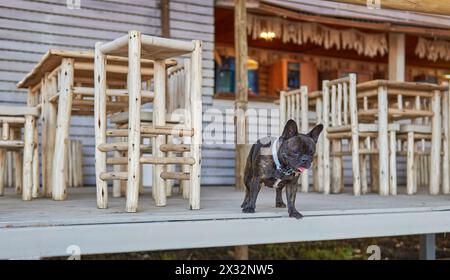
59	185
241	125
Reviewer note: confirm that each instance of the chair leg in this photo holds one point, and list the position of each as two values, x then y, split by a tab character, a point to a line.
410	178
363	171
337	169
2	171
392	163
169	168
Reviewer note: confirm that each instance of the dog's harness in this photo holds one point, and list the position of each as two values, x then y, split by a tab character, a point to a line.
282	172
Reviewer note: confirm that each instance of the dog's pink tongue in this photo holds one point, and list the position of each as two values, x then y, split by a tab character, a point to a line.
301	169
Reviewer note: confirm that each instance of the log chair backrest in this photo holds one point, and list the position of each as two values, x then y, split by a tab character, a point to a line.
294	105
340	102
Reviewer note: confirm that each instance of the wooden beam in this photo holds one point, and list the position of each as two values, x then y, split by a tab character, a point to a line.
240	41
165	18
385	26
422	6
396	61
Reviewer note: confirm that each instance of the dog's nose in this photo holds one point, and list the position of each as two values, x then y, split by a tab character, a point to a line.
304	159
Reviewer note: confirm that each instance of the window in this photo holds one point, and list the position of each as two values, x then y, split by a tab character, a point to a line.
225	71
293	75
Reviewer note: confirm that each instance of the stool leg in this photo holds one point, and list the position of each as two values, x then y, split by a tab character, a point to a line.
159	118
100	125
196	118
134	120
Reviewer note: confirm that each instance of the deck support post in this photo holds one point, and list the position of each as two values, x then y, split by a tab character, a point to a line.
240	42
428	246
241	253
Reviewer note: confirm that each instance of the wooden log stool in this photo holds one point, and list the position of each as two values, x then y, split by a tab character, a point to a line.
64	82
24	150
135	46
176	98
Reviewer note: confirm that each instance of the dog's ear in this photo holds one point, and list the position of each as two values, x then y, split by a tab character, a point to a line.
290	129
315	132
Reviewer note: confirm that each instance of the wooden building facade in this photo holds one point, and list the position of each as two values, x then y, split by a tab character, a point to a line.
30	27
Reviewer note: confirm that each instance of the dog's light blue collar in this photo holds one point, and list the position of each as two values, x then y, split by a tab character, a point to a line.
282	172
275	154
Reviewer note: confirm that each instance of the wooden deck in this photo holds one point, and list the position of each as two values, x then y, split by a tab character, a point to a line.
44	227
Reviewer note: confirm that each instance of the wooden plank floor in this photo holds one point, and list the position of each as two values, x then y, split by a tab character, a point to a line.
217	203
44	227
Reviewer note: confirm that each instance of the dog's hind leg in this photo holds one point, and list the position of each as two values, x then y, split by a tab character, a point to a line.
255	187
279	198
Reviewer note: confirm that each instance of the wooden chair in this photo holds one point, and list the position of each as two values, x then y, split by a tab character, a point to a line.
306	109
346	126
135	46
13	120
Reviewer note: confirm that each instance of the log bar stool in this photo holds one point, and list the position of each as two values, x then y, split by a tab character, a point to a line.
64	82
135	46
13	119
177	96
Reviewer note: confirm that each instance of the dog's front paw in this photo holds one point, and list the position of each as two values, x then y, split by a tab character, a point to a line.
248	210
280	204
295	214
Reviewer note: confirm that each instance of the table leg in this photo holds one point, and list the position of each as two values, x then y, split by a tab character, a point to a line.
383	141
59	184
28	158
436	143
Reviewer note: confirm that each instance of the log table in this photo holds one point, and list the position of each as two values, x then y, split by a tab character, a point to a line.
386	102
64	82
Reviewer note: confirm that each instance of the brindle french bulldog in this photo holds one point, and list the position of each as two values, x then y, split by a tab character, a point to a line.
277	163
